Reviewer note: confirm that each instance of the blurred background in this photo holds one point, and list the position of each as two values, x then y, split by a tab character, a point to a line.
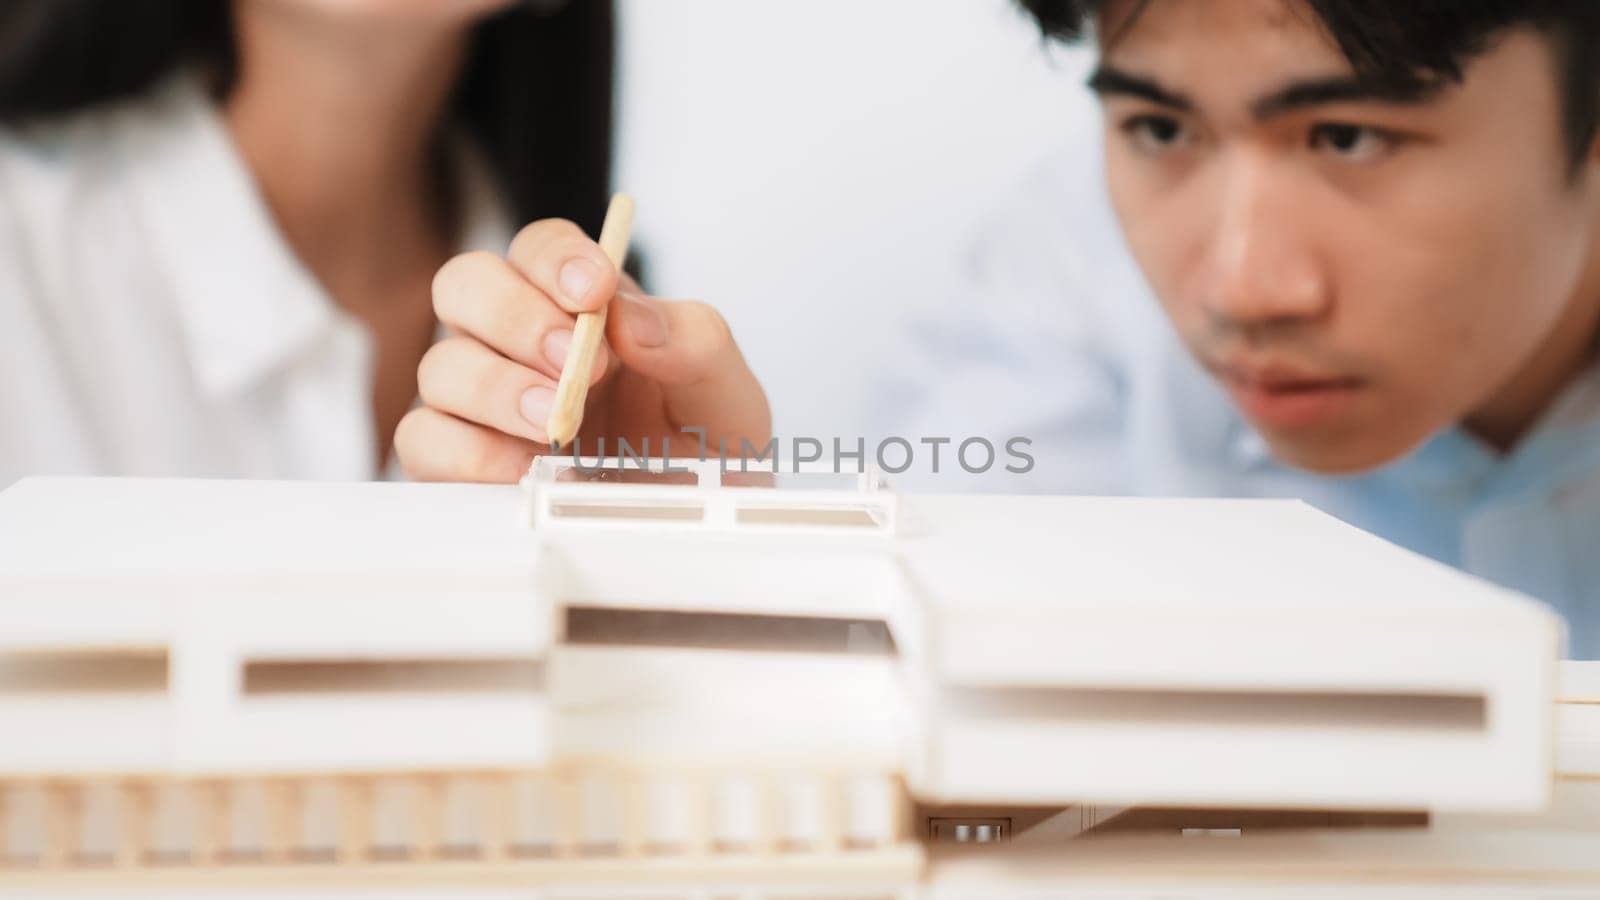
816	170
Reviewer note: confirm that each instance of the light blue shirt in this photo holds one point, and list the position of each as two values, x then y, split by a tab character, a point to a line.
1059	339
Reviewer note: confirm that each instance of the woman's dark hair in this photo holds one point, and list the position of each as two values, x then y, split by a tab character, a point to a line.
536	91
1408	43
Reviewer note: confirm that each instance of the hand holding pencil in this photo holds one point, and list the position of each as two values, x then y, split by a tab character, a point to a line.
556	301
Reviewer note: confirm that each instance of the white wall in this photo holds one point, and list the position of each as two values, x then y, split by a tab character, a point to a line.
815	169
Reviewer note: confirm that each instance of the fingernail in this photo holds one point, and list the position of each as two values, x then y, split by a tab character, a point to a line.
644	319
536	404
577	279
556	345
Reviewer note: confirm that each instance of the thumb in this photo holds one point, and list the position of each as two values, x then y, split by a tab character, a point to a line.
688	348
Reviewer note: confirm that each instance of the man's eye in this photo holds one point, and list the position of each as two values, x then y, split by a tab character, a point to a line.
1353	143
1155	134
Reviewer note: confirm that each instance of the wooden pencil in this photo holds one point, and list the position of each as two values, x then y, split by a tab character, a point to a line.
566	415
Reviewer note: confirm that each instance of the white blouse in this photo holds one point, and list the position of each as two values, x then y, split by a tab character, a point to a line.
154	322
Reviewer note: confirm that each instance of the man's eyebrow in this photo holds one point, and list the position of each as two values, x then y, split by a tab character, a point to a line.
1108	81
1345	89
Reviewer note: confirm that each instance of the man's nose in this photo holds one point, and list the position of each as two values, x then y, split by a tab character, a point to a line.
1263	263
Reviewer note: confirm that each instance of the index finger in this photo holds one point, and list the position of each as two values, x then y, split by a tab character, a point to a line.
560	260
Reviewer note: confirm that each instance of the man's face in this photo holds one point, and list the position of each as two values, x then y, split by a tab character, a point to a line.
1359	271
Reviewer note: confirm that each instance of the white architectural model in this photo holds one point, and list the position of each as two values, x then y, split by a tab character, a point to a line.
658	679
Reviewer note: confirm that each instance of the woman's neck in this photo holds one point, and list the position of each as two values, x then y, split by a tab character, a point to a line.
338	120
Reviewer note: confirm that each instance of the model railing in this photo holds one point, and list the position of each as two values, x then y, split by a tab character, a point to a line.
484	817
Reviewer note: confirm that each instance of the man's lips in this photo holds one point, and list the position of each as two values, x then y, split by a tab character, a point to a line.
1283	380
1282	396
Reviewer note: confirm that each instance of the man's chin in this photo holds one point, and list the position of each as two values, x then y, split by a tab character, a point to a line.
1336	455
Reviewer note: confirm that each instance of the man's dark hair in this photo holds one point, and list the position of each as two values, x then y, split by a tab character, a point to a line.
1411	43
536	90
